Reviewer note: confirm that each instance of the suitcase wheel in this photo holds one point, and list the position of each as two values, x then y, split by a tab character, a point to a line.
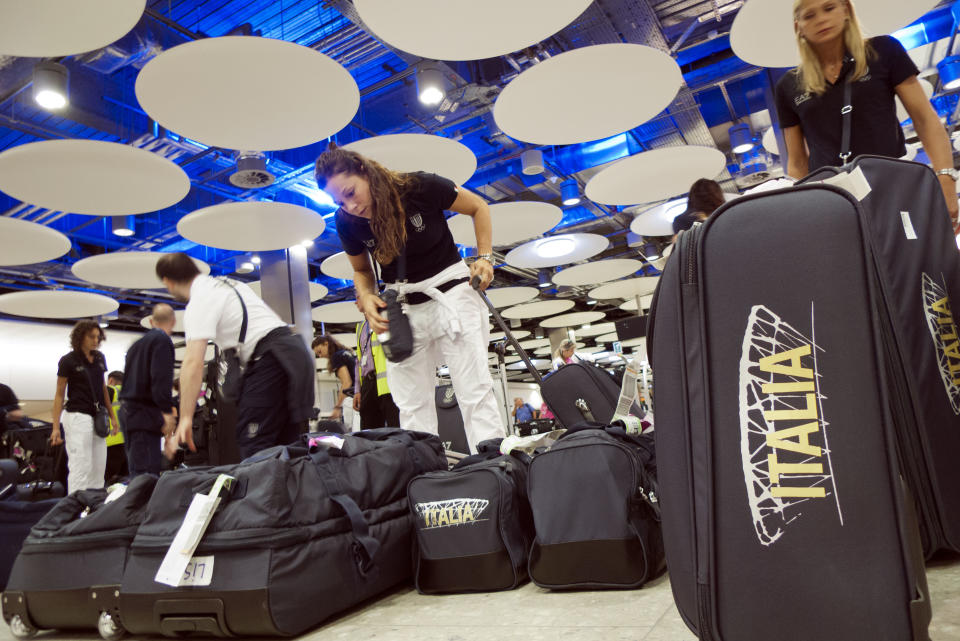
20	628
108	627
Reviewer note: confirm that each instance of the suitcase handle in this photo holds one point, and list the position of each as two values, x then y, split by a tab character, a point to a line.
475	283
180	617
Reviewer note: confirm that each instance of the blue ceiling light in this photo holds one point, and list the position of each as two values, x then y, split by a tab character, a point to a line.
949	70
570	192
123	225
741	138
431	86
50	81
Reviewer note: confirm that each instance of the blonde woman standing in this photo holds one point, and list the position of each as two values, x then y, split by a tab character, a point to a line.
833	52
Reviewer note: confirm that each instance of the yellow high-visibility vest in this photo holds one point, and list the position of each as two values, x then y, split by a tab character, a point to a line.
379	359
115	439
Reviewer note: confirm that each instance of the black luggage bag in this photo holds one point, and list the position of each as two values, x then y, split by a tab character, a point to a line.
297	538
594	501
473	523
536	426
16	519
919	269
68	573
450	421
783	511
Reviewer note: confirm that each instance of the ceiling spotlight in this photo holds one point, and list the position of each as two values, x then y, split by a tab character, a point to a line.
531	162
949	70
431	86
570	192
544	279
651	251
307	242
554	247
255	260
122	225
741	138
50	80
245	267
591	301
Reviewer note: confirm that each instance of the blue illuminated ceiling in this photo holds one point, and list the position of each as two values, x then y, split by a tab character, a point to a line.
104	107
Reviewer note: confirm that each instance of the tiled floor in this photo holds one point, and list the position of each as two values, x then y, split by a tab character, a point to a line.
532	614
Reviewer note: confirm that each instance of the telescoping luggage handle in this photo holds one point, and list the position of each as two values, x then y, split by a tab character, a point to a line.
475	283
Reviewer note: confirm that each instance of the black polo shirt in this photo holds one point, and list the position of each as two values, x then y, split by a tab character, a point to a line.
874	128
343	358
430	248
84	379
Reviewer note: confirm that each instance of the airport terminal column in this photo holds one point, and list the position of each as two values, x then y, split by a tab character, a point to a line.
285	287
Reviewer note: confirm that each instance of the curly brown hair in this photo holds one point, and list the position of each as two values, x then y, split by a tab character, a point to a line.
332	344
387	218
81	329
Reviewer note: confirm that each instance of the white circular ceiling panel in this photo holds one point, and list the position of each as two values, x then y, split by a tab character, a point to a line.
126	270
538	309
556	250
512	223
595	330
599	271
535	343
444	30
571	320
517	334
317	291
658	221
643	79
654	175
251	225
770	142
539	363
631	305
419	152
607	338
52	28
626	288
91	177
246	92
343	312
509	296
56	304
337	266
25	243
177	326
763	33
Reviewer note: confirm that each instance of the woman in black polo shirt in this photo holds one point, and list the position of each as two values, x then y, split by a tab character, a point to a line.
810	98
398	219
80	377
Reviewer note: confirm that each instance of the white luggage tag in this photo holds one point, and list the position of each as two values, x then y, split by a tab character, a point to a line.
195	523
628	394
854	182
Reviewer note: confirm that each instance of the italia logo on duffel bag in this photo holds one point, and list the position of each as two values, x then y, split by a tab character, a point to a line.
783	434
450	512
943	331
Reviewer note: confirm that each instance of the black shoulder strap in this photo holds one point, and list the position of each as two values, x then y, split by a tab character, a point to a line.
243	307
847	114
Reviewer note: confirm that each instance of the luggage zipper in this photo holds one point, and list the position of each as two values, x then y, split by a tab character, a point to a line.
690	250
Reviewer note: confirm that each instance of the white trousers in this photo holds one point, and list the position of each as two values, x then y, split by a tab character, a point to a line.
412	381
86	452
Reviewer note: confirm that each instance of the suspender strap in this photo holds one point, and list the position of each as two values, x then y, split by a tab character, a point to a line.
243	307
847	115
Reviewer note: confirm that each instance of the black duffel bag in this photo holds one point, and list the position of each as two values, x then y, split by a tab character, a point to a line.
594	501
473	523
298	537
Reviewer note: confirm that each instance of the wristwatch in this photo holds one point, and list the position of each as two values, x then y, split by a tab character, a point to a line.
953	173
486	257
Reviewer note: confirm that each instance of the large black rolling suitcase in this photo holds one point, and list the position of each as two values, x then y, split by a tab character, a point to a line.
919	269
783	511
16	519
68	573
297	538
473	523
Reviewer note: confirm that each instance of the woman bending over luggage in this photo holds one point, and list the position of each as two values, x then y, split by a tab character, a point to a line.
397	218
811	98
80	378
341	363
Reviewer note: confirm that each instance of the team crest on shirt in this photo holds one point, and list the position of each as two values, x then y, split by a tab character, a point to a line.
802	98
370	242
417	221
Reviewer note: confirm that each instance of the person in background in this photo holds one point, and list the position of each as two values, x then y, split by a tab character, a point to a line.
398	219
80	380
371	392
545	412
275	399
565	354
834	53
146	413
117	469
342	364
9	407
523	412
705	197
